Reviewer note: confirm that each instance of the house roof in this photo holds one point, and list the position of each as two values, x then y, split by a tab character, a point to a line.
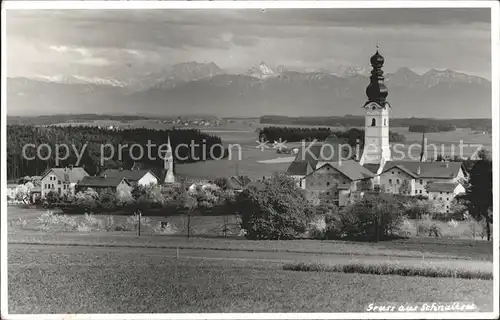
68	175
372	167
299	168
441	187
313	153
130	175
402	168
427	169
238	182
351	169
101	182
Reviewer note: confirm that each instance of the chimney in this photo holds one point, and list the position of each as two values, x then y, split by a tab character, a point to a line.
418	170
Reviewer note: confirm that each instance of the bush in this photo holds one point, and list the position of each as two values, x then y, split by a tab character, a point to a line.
273	210
392	269
165	229
427	227
318	228
374	217
133	221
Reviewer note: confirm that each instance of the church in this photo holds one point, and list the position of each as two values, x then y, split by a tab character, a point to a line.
347	178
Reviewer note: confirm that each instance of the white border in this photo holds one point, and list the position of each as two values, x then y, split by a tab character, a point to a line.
495	55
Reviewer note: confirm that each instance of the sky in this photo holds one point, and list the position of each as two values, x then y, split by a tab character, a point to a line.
122	43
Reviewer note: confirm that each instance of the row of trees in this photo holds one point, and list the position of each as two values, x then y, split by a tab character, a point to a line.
94	138
483	124
431	128
295	134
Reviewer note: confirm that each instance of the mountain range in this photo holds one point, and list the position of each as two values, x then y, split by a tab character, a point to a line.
193	87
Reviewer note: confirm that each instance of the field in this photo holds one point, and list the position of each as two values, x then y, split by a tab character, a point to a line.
124	280
56	271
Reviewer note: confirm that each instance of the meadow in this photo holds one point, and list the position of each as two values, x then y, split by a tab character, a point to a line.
126	280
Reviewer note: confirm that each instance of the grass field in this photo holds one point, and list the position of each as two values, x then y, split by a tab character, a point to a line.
55	280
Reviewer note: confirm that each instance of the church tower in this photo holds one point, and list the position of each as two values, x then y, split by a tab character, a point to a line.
168	164
376	147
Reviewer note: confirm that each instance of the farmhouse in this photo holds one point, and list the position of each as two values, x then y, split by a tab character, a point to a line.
61	180
134	177
99	184
326	168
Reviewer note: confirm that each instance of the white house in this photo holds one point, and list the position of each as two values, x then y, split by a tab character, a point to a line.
61	180
134	177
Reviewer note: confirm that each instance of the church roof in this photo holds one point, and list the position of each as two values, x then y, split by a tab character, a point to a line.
441	170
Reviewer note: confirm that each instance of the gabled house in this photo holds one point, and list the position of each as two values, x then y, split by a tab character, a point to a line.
134	177
101	183
441	194
61	180
345	177
412	177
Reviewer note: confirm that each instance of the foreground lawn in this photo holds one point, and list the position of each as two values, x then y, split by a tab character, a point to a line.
133	280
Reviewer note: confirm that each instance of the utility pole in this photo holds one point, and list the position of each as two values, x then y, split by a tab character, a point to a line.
139	221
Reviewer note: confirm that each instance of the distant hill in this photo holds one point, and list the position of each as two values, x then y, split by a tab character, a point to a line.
194	88
359	121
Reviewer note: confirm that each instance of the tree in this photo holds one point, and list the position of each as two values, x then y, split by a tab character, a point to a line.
87	199
479	193
273	209
108	200
52	197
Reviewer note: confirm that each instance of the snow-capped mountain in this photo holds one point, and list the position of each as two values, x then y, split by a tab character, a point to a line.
262	71
198	87
433	77
346	71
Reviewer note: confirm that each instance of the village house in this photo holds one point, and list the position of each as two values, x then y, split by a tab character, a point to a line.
134	177
341	178
102	183
442	194
61	180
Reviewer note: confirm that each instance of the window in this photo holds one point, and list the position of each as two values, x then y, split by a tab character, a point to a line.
385	122
440	198
373	122
327	184
327	193
390	181
420	191
447	199
421	182
399	172
392	172
397	181
58	181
